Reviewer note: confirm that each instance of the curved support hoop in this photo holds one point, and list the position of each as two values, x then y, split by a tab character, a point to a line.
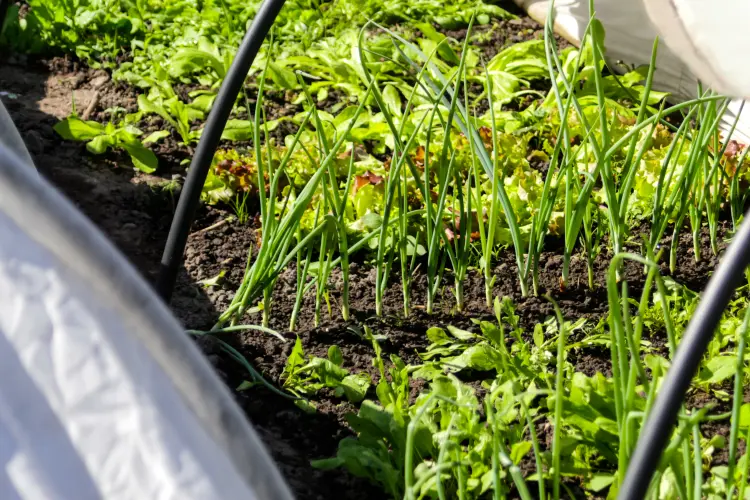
657	428
204	153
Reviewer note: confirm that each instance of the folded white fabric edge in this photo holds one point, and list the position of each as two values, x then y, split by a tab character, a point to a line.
629	37
137	407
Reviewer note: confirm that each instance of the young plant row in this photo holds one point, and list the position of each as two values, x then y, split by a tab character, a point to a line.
542	429
455	188
194	41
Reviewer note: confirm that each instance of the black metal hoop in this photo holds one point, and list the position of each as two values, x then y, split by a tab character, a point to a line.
656	430
209	141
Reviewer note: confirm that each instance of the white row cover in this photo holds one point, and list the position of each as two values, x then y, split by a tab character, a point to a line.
711	37
85	412
102	394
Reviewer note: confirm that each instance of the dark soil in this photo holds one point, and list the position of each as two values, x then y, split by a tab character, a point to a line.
699	399
135	211
499	34
491	39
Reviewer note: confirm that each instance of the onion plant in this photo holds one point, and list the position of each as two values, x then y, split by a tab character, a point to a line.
334	201
559	399
631	380
393	183
718	184
461	214
737	400
343	238
396	181
280	227
267	202
302	268
637	129
685	199
434	229
359	245
324	269
540	217
460	250
707	174
557	170
737	196
442	89
408	247
616	187
575	208
591	237
664	201
677	189
600	147
454	238
487	233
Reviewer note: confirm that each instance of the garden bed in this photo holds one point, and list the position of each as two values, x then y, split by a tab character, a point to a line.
135	211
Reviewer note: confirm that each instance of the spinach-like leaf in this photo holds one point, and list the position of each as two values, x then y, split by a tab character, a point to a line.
100	138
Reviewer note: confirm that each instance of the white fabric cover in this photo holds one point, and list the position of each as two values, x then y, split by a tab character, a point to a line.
711	37
85	412
629	37
102	393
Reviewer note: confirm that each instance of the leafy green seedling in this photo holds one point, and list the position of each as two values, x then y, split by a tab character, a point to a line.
308	377
99	138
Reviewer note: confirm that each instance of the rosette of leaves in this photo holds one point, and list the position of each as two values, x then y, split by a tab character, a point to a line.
102	137
303	163
308	376
231	173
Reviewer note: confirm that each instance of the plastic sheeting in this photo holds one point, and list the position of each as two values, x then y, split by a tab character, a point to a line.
102	395
711	37
629	37
85	412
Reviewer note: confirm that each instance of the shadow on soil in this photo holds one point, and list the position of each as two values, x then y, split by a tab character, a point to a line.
135	212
